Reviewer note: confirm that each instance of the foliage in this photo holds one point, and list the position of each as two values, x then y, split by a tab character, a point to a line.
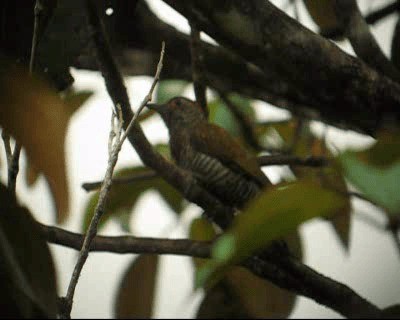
36	111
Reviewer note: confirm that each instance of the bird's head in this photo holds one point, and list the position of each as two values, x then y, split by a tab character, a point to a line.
179	111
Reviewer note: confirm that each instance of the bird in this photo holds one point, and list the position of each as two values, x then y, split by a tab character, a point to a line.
217	160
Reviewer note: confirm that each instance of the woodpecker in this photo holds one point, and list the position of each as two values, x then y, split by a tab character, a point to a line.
217	160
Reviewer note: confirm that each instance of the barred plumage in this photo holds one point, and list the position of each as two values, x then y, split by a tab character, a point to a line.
217	160
228	185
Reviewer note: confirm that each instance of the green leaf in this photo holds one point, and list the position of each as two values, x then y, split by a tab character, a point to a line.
135	297
239	293
220	115
276	212
123	197
201	230
328	177
168	89
378	184
27	274
244	104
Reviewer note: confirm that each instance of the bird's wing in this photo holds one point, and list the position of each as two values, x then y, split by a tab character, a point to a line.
217	142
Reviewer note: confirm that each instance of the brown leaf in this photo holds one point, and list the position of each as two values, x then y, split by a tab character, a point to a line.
261	298
135	295
27	274
37	118
221	302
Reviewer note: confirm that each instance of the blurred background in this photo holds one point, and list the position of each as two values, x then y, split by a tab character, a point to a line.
371	265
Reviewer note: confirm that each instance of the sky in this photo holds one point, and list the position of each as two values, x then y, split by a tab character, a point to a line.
371	267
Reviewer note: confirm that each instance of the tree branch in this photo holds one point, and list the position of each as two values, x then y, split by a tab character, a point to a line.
362	40
280	160
370	18
147	175
269	160
345	88
287	273
137	54
197	69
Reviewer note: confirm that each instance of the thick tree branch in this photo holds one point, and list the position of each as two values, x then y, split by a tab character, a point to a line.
362	40
346	89
287	273
137	54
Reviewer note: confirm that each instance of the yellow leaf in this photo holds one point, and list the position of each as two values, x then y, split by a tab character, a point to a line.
36	116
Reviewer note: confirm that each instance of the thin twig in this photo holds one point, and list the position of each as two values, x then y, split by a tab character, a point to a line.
37	12
116	141
197	68
280	160
369	220
14	169
270	160
396	239
246	125
146	175
13	156
7	147
393	226
12	161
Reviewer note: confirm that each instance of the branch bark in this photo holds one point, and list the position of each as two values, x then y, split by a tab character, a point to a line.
345	88
287	273
362	40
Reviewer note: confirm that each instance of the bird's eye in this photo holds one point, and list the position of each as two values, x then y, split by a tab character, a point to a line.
178	102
